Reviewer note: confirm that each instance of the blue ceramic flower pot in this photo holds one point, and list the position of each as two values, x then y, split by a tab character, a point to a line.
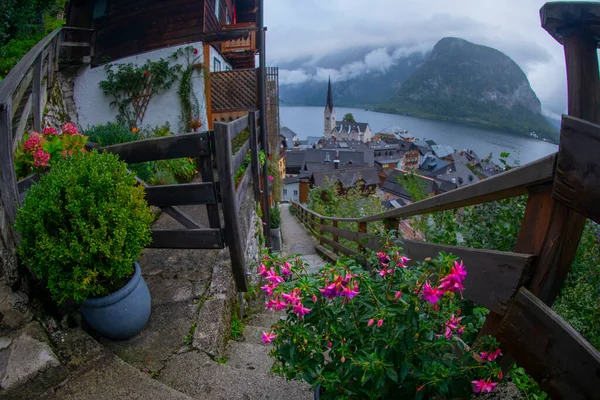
122	314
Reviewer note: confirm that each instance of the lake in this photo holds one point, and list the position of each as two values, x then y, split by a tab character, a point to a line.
308	121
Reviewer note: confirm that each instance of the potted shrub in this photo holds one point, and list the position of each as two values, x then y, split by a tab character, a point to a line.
394	332
275	225
82	228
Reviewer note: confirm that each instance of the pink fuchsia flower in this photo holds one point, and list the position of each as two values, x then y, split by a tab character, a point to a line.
343	359
371	322
379	323
276	304
330	345
268	289
271	178
385	271
314	298
50	131
300	309
484	386
492	355
431	294
454	322
349	293
273	277
383	258
41	158
397	295
268	337
452	283
70	129
286	269
293	297
262	270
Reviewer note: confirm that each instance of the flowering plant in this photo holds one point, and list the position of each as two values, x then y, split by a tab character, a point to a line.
37	152
394	332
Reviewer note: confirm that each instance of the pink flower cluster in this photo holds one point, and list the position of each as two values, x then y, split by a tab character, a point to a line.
453	326
340	287
281	302
453	282
41	158
70	129
490	356
484	385
385	261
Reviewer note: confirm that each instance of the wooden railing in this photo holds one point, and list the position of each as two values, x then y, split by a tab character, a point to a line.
563	190
23	96
247	43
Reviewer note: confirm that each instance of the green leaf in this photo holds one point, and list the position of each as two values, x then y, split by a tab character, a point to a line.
404	370
391	373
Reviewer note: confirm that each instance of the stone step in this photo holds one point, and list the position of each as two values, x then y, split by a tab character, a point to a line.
253	334
111	378
265	319
314	261
326	253
196	375
249	356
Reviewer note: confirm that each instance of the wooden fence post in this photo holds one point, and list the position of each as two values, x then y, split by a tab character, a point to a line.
321	232
254	161
205	167
233	229
36	95
335	225
8	177
362	228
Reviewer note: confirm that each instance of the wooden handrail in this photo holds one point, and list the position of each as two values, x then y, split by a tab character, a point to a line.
14	77
507	184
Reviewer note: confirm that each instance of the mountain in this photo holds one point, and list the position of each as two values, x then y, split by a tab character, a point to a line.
365	90
464	82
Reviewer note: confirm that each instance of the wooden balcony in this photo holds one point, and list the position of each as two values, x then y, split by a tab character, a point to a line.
243	44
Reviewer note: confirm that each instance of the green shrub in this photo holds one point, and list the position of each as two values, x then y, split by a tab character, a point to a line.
83	225
275	217
182	169
110	133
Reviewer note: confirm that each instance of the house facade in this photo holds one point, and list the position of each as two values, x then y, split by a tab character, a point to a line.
221	32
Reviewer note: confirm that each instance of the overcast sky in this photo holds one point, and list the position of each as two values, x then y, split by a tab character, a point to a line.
305	31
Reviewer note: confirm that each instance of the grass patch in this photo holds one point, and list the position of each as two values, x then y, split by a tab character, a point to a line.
237	326
189	338
221	360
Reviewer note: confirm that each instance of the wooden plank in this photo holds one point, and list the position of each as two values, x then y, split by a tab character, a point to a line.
339	232
50	68
19	132
180	216
564	364
233	229
326	217
177	146
205	167
504	269
238	126
362	228
21	89
577	181
239	157
240	193
337	246
583	84
326	253
254	160
186	239
13	79
37	109
9	192
335	235
557	17
181	194
76	44
27	182
507	184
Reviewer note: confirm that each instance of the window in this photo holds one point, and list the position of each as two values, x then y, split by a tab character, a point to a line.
285	192
295	193
217	8
99	9
216	65
227	68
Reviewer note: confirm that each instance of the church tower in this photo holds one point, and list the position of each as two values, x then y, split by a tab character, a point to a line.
329	114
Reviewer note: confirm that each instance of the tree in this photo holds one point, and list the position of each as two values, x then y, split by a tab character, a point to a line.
348	118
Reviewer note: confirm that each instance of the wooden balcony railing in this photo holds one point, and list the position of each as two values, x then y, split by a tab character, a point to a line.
563	190
241	44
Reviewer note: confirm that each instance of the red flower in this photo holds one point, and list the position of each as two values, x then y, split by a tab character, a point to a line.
195	51
145	74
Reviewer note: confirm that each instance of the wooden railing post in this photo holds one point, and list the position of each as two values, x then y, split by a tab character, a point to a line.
362	228
335	225
233	230
205	167
321	232
254	161
391	224
37	93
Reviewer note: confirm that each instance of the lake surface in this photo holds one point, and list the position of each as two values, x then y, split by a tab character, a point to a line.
308	121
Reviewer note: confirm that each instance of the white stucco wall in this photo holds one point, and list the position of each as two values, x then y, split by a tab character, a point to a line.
288	192
93	106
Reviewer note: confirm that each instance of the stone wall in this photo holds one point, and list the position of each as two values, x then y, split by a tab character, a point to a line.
60	107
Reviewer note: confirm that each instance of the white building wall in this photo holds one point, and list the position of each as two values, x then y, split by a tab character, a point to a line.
288	192
93	106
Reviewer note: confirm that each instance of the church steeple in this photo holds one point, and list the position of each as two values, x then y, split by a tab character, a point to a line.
329	125
329	104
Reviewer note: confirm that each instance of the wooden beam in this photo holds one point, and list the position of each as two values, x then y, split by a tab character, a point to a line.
254	160
181	194
226	35
577	181
27	182
239	157
240	193
180	216
37	94
205	166
233	229
187	239
550	350
362	228
507	184
558	17
9	192
207	85
337	246
238	125
176	146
